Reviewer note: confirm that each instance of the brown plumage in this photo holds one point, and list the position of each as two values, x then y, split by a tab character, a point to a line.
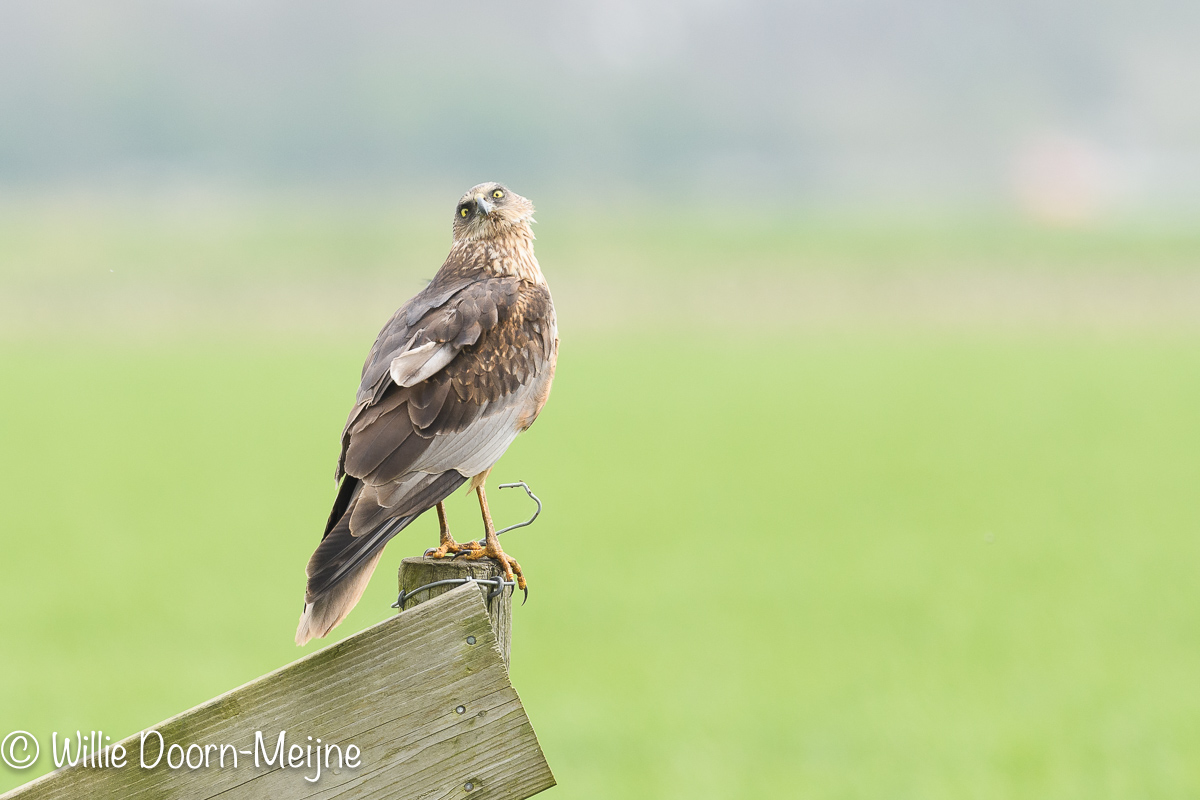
453	377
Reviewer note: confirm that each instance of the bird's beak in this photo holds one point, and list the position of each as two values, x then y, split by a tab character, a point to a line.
483	205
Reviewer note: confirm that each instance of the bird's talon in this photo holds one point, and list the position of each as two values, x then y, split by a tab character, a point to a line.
467	549
452	550
510	569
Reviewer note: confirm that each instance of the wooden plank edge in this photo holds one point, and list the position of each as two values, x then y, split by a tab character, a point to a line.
411	616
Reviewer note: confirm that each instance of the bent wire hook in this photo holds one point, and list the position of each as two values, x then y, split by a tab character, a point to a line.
529	492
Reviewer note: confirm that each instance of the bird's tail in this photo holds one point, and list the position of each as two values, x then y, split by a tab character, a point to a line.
342	565
327	610
338	573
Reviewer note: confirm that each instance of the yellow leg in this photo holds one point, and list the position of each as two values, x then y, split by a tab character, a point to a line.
446	543
491	547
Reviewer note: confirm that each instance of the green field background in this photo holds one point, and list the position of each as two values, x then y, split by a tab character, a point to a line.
841	561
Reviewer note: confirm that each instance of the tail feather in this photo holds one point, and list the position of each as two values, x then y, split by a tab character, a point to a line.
342	564
326	611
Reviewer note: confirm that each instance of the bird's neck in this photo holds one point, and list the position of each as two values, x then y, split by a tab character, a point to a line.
508	253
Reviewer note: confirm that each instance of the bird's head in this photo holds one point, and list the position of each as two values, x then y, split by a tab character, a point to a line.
489	209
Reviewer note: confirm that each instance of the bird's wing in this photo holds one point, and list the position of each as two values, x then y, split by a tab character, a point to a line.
453	395
415	320
410	338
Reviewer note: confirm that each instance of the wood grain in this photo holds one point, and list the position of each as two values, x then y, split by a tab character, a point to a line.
432	714
416	572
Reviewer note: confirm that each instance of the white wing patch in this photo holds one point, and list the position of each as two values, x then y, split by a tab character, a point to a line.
413	366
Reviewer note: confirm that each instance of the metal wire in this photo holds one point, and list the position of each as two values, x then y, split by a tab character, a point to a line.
497	581
529	492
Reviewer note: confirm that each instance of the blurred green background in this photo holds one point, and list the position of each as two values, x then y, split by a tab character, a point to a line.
871	461
838	553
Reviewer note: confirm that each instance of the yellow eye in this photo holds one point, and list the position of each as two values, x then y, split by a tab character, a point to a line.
463	211
497	194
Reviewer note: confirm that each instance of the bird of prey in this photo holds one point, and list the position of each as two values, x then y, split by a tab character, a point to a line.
453	377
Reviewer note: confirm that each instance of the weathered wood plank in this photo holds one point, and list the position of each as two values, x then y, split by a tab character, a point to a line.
416	572
430	713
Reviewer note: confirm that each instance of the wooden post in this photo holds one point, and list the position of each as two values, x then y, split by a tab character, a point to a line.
416	572
423	698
